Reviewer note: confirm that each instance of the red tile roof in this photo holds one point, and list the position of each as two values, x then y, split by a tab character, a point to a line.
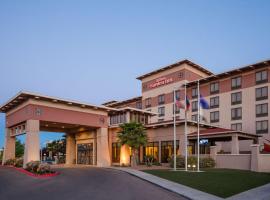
213	131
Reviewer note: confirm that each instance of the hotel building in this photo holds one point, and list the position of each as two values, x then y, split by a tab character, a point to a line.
237	118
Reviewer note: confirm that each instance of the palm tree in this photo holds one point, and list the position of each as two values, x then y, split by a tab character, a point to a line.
134	135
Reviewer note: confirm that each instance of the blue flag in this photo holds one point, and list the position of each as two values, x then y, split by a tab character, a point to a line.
204	104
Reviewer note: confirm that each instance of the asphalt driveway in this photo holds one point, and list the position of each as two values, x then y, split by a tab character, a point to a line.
80	184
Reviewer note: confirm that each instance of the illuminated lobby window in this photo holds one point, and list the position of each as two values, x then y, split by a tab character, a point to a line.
152	150
167	150
116	147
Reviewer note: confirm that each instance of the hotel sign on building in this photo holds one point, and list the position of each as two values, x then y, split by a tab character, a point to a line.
160	82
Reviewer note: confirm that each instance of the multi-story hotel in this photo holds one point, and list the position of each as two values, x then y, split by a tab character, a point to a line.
237	117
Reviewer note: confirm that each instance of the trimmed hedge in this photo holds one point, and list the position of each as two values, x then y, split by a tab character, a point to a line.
192	160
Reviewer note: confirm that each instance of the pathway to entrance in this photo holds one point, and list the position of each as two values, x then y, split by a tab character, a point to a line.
80	184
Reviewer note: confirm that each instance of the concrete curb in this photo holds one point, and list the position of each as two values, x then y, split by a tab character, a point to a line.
182	190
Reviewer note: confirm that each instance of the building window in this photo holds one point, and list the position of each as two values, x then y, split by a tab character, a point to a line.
214	88
161	111
148	102
177	109
262	127
139	105
261	77
194	118
214	117
118	119
116	148
161	99
236	82
194	92
236	113
194	106
214	102
236	126
167	150
151	149
236	98
261	93
177	95
262	110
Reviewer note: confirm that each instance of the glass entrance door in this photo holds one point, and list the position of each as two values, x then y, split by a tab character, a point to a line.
85	154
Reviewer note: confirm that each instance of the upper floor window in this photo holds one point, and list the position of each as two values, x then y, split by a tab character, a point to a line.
236	113
262	127
214	102
236	98
214	116
214	88
161	111
177	109
194	92
262	110
139	105
236	82
261	93
261	76
236	126
148	102
161	99
194	118
177	95
194	106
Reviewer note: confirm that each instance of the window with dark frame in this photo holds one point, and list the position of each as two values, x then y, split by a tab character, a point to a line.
139	105
177	109
194	92
116	148
161	99
236	126
161	111
148	102
236	113
261	93
177	95
214	88
236	82
261	77
194	106
262	127
194	118
262	110
236	98
214	117
214	102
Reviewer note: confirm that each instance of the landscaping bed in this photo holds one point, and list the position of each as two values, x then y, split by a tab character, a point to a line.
220	182
33	168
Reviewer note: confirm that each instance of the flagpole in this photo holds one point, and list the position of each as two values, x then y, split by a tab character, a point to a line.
186	167
174	132
198	128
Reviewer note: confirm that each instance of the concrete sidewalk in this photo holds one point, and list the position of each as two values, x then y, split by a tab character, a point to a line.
169	185
259	193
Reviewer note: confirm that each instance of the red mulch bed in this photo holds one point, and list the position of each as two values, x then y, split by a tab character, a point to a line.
32	174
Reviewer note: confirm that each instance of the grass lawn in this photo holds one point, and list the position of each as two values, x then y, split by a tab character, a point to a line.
220	182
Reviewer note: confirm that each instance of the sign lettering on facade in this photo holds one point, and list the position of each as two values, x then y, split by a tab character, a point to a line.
160	82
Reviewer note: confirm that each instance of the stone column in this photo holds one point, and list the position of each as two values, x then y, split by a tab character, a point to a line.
32	146
255	152
124	155
213	152
235	144
70	149
9	149
103	154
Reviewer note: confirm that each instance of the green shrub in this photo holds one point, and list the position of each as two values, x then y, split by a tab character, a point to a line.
192	160
38	168
18	162
10	162
149	160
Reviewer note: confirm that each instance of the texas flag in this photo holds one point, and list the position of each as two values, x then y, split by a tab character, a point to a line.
181	105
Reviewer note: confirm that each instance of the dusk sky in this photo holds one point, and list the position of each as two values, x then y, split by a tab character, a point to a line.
92	51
